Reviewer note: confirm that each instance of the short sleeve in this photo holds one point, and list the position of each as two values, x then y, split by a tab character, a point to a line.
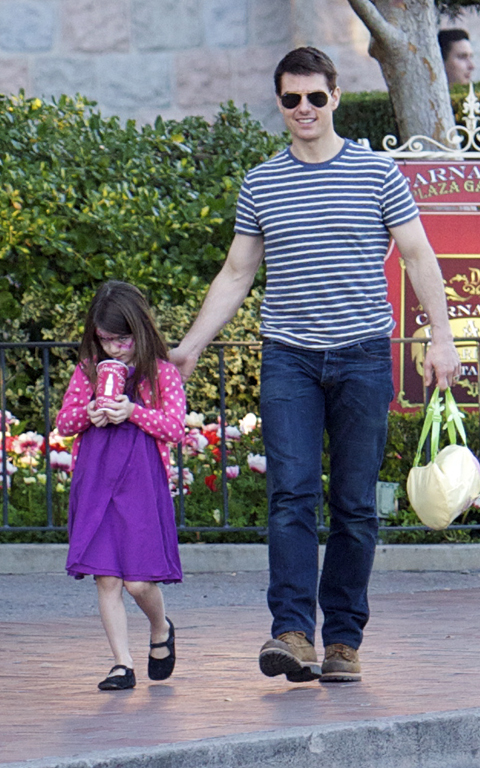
246	221
398	205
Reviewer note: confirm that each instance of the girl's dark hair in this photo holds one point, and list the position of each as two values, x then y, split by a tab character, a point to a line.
122	309
306	61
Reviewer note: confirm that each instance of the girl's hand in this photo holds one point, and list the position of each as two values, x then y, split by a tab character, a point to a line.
98	418
121	410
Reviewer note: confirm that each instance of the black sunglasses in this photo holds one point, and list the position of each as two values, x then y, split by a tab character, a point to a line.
292	100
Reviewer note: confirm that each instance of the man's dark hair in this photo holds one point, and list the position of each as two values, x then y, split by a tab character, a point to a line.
305	61
446	38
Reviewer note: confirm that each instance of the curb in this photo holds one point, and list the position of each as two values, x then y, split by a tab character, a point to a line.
447	739
224	558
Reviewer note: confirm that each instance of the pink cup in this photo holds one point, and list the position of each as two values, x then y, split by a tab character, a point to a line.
111	377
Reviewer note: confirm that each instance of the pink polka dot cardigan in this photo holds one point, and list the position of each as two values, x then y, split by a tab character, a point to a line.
165	422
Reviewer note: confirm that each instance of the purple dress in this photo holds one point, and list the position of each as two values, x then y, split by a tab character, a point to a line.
121	517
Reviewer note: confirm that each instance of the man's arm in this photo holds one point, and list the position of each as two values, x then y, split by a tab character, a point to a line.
426	278
223	299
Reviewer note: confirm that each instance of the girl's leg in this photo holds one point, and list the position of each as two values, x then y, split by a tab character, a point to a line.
114	618
149	598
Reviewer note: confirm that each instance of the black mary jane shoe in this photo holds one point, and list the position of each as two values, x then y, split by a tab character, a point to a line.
118	682
160	669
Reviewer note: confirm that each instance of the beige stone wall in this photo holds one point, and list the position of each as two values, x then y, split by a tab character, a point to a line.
141	58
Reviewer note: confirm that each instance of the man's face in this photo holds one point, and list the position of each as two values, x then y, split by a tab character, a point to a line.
459	63
305	121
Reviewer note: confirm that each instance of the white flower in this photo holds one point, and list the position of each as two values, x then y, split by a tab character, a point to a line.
232	472
248	423
194	419
188	477
29	480
11	468
257	463
217	516
232	433
10	419
61	460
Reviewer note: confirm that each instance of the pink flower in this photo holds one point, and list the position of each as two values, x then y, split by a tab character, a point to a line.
232	472
195	441
29	443
257	463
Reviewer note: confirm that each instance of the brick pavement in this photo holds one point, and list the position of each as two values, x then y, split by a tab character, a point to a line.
420	655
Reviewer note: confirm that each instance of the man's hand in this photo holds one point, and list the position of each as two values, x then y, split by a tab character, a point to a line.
443	361
184	362
98	418
119	411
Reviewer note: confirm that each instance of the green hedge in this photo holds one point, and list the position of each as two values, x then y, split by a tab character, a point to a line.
84	199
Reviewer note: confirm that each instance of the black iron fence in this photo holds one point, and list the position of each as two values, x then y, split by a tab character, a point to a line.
45	348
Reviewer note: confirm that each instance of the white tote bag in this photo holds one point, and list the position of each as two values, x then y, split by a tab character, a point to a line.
450	483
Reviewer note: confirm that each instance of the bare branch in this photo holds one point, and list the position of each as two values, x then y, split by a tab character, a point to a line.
377	25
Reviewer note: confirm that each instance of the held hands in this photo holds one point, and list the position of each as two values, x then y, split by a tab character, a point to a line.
443	361
117	412
184	362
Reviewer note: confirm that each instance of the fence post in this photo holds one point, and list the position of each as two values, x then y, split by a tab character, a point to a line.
223	446
46	414
4	440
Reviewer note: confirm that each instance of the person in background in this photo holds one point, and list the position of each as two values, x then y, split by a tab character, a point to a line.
457	55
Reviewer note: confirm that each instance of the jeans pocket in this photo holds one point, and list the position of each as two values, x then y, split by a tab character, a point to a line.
377	349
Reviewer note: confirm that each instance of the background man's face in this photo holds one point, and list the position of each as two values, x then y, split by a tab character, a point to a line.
459	63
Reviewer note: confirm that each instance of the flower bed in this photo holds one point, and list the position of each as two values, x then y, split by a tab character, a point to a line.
245	472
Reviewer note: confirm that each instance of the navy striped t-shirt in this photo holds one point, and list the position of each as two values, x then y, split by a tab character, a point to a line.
325	229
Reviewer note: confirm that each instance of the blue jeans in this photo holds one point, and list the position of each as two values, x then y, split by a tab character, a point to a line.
346	392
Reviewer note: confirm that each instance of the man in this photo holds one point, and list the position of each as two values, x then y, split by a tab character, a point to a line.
457	55
322	212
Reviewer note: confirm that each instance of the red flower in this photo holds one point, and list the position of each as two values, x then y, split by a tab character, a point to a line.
211	482
217	454
212	437
8	442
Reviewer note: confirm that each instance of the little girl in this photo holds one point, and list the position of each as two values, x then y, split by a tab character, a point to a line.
121	517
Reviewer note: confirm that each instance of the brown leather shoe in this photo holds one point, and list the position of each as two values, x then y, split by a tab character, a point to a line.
292	655
341	664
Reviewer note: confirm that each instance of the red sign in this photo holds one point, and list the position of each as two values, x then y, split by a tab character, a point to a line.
443	182
455	238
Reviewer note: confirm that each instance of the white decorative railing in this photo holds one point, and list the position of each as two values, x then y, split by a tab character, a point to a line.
463	140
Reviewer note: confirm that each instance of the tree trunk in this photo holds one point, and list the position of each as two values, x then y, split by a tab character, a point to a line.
404	42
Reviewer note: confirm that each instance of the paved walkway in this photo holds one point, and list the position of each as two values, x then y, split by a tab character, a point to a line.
420	655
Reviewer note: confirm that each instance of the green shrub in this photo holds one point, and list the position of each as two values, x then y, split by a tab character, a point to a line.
83	199
366	115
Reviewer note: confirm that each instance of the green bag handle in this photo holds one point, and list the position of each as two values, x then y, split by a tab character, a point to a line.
454	418
433	420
